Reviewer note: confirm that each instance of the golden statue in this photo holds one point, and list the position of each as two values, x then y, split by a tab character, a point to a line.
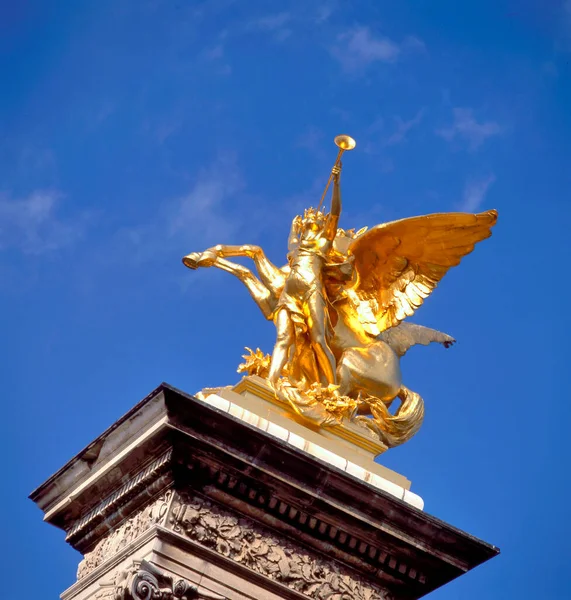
339	306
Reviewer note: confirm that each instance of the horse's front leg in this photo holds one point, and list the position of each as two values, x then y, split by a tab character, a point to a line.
271	276
194	260
261	295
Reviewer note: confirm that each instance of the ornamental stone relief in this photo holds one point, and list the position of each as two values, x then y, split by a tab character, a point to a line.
257	548
129	530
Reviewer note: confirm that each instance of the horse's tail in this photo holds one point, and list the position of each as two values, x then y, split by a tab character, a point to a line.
396	429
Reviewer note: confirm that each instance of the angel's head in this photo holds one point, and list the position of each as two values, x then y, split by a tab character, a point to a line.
313	220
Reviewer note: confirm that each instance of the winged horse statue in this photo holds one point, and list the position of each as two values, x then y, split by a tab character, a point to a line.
339	306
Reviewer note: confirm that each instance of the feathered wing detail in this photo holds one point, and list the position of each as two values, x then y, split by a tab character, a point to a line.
405	335
398	264
344	238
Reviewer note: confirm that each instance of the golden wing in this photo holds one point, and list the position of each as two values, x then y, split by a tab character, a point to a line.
399	263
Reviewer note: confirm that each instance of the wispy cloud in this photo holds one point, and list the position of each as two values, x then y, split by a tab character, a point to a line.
32	224
475	193
166	129
204	213
403	127
312	141
271	22
276	24
323	13
210	212
466	126
279	26
341	114
377	125
214	52
387	165
216	56
358	48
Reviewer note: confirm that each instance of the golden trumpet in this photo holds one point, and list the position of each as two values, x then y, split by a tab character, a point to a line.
344	143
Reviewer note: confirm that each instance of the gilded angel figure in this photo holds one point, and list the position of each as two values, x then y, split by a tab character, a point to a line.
339	305
302	306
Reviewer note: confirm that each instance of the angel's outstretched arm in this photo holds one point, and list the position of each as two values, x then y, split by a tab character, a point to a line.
293	239
333	218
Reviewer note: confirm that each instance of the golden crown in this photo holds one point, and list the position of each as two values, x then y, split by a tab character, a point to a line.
311	214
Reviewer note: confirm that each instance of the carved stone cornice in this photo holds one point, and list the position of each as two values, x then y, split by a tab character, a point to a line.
144	581
261	550
148	481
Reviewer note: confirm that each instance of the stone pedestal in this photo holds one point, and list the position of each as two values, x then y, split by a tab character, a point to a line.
227	497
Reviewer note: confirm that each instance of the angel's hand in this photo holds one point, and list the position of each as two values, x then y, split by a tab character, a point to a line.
297	223
336	171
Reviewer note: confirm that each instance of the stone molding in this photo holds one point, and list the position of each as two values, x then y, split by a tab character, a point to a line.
140	482
371	557
153	514
257	548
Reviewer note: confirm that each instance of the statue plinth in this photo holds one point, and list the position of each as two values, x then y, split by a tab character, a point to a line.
227	497
346	446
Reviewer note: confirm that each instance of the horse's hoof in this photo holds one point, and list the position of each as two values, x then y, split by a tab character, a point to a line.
191	260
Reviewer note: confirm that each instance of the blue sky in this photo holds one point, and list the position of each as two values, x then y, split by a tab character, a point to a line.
135	131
